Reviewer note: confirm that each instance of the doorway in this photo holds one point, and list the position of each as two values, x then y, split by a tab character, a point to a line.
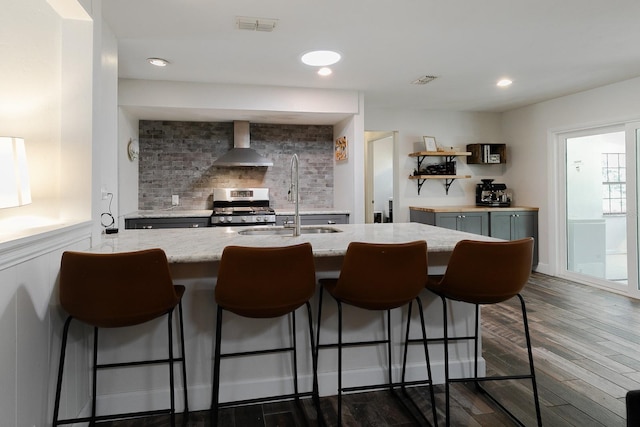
597	200
379	176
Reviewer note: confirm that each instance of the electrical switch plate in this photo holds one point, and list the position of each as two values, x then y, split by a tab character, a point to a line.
175	200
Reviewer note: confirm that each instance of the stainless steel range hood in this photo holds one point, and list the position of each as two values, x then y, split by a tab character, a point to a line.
241	154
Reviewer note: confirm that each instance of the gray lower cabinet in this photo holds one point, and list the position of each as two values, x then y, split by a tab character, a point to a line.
471	222
181	222
315	219
516	225
507	225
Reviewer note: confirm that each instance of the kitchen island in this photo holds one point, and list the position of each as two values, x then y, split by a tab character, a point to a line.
194	255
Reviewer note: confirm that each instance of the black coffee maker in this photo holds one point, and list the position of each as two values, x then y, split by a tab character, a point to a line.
490	194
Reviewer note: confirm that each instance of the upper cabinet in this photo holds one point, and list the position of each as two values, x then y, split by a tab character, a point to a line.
445	170
487	154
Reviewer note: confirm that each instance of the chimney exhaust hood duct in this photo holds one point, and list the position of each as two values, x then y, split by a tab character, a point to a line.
241	154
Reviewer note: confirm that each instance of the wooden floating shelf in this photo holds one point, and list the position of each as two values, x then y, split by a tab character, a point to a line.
448	180
439	176
440	153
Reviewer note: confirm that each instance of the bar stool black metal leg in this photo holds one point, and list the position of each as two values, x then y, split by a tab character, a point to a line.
318	322
530	353
95	377
475	346
406	347
314	363
172	396
295	356
445	329
339	363
215	394
184	361
389	368
63	351
428	360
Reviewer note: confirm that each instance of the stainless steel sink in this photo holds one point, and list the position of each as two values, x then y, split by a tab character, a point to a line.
281	231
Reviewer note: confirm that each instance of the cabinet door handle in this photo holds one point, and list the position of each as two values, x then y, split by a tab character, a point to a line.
195	225
331	222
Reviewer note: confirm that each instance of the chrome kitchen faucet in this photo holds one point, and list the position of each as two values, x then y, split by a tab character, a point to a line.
293	188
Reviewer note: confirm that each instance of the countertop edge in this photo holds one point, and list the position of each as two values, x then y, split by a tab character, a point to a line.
472	208
204	213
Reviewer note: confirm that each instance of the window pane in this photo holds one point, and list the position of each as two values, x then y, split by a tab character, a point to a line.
615	192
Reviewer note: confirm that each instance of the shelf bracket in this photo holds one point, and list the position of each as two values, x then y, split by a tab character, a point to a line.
420	182
447	184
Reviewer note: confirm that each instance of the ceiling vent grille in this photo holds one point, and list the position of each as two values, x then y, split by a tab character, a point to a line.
256	24
424	80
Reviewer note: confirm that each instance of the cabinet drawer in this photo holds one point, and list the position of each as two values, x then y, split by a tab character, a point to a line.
315	219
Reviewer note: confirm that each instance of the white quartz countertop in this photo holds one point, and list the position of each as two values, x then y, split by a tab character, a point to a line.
186	245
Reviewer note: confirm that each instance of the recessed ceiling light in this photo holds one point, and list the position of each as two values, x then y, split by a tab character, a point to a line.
504	83
158	62
321	58
325	71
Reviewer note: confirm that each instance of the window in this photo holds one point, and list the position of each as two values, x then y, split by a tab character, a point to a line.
614	184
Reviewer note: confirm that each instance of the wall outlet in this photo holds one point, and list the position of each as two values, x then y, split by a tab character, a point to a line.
105	194
175	200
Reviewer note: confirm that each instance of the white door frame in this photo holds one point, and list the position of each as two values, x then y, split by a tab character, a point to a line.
558	207
371	137
632	139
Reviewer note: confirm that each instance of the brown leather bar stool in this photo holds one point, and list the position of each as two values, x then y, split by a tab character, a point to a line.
380	277
472	277
113	291
264	283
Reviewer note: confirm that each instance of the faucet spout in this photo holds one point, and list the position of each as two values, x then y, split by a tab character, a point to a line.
295	194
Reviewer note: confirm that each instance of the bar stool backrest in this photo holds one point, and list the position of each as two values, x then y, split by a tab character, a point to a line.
382	276
265	282
487	272
116	289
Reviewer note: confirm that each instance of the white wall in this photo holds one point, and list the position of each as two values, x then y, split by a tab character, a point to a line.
127	189
47	88
529	132
451	129
105	119
348	175
45	83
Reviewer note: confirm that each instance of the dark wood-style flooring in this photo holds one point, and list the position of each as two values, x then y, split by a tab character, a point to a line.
586	353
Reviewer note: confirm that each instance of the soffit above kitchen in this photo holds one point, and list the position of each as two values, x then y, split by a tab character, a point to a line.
548	48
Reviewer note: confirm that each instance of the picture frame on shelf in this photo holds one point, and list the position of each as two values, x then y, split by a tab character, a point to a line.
430	143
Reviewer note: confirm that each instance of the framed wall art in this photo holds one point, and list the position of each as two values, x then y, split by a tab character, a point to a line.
342	152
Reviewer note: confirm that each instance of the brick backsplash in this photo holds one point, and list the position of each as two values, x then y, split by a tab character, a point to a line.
177	158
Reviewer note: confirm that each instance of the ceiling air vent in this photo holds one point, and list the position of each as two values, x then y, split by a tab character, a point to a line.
424	80
256	24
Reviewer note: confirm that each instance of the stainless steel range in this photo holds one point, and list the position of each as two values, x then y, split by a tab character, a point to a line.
241	206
